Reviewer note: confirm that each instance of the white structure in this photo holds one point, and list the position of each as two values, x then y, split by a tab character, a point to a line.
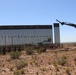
56	33
25	34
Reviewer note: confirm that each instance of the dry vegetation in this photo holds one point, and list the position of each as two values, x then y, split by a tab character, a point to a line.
38	61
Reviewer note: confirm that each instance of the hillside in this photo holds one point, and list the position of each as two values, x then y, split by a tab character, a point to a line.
61	61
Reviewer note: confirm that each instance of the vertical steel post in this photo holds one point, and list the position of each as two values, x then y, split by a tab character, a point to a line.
56	33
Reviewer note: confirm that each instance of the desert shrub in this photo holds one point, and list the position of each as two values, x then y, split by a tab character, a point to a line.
64	57
29	51
43	69
3	65
56	66
36	63
41	49
31	63
40	44
37	73
49	63
67	69
11	68
75	60
21	64
15	54
62	61
34	57
2	52
19	72
22	71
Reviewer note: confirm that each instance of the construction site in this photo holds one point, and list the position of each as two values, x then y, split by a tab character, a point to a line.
34	50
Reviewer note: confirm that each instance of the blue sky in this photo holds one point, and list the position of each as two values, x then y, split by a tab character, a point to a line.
40	12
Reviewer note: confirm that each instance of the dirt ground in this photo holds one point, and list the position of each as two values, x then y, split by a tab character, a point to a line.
60	61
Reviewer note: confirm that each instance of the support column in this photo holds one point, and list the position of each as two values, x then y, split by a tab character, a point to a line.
56	33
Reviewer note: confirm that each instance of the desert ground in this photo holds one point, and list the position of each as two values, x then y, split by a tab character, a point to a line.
58	61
